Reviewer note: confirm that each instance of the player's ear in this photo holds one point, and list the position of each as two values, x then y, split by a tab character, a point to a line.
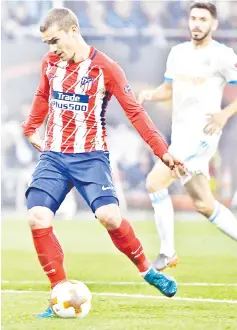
74	30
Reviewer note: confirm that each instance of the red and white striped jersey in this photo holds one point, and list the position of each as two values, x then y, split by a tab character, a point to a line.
75	96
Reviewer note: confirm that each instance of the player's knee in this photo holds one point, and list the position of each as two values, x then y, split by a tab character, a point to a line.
154	183
109	216
204	207
40	217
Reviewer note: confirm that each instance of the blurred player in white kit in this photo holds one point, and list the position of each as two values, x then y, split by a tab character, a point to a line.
195	76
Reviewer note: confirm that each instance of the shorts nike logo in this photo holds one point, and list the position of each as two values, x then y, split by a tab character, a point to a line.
106	188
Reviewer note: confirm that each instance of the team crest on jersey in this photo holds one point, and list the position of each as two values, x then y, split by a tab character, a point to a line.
86	83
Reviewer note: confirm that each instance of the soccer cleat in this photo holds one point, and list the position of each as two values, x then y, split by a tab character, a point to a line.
162	282
162	261
47	314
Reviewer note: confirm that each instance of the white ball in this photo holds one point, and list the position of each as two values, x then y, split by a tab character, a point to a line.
70	299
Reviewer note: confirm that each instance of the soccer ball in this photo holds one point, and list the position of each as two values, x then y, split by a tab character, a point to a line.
70	299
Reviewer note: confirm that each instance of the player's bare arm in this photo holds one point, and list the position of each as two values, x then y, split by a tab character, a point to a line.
218	120
160	94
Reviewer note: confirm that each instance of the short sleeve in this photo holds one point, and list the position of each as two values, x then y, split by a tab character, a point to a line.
169	73
228	66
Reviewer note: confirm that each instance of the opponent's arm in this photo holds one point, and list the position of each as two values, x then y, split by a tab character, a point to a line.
218	120
228	69
160	94
39	109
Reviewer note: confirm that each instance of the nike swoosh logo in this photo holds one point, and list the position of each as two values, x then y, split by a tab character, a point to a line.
134	252
106	188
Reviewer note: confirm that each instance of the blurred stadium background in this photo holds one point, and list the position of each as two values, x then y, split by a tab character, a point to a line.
138	35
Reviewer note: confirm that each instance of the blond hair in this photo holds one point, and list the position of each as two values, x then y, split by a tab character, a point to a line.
63	17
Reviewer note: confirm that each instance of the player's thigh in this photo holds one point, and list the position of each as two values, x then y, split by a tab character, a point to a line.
159	178
199	190
49	185
95	183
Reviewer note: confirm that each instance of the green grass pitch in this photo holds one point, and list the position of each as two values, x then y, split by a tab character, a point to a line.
206	273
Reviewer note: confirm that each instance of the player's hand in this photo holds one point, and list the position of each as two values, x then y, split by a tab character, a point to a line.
36	141
177	167
144	96
216	122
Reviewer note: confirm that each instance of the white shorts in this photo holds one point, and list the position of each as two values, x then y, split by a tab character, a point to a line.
195	152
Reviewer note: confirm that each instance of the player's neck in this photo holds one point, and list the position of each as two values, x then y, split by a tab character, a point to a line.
82	50
202	43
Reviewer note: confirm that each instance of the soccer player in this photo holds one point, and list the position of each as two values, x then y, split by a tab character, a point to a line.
195	76
76	83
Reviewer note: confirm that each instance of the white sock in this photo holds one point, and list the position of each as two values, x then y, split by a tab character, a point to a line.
143	274
164	219
225	220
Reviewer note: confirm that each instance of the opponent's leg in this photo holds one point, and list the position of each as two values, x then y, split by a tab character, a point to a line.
158	180
125	239
204	202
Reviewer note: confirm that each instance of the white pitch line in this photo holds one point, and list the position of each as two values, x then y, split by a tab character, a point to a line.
227	301
204	284
139	296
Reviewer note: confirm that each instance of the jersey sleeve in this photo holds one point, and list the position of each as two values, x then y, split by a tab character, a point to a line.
39	108
139	118
228	66
169	73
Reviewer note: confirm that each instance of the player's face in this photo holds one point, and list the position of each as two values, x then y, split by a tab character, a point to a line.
201	24
60	42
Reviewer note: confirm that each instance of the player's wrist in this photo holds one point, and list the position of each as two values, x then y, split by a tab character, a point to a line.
165	155
229	113
162	153
230	110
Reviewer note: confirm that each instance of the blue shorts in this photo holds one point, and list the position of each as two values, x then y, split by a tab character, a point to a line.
89	172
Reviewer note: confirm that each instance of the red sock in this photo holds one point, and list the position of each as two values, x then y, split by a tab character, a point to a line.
126	241
50	254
